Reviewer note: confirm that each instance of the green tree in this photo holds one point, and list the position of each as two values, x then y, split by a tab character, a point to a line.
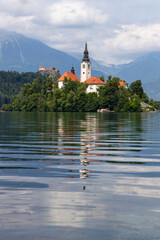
41	96
7	107
145	98
32	103
110	77
136	88
56	103
16	103
102	78
12	82
56	77
123	100
36	85
69	85
92	103
108	95
81	101
71	103
26	89
135	104
47	86
155	104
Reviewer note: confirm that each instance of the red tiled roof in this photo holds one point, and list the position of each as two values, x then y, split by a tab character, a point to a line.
49	69
42	67
121	84
94	81
68	75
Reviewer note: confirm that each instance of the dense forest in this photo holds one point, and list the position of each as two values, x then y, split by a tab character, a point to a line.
41	95
12	82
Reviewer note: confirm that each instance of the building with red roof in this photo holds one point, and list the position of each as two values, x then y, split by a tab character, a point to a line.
93	84
85	77
49	69
42	68
122	84
69	76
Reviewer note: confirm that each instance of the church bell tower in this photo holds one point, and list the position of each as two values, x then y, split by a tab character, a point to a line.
85	66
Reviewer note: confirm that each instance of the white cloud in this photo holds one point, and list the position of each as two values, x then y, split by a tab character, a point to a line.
133	38
14	6
20	23
75	13
115	30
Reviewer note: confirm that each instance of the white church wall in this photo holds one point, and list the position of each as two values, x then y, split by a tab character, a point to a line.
85	71
60	84
91	88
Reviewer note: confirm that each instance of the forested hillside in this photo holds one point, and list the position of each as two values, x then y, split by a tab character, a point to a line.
42	96
12	82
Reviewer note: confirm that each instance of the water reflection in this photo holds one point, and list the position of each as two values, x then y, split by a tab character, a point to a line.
80	171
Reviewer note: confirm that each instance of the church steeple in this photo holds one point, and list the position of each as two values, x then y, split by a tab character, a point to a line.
86	54
85	65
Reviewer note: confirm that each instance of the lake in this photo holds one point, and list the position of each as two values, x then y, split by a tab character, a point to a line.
79	176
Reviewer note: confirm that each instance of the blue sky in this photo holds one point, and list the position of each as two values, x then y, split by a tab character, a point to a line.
117	31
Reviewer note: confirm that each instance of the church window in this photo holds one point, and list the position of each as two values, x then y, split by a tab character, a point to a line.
83	65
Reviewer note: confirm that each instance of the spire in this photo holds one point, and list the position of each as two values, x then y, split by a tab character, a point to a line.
86	50
72	70
86	57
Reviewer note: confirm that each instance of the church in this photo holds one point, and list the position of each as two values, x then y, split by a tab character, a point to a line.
85	77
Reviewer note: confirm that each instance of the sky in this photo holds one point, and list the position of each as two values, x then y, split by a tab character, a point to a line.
117	31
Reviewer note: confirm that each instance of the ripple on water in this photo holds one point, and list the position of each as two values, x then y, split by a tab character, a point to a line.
87	171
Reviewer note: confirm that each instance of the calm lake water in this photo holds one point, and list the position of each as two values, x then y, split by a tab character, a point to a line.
79	176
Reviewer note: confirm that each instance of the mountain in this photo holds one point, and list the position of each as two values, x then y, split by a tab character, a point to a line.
145	68
24	54
153	89
97	66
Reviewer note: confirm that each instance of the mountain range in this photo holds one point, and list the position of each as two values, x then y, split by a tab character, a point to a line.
23	54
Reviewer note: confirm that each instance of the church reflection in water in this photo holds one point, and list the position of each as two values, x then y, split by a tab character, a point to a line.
76	141
88	142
